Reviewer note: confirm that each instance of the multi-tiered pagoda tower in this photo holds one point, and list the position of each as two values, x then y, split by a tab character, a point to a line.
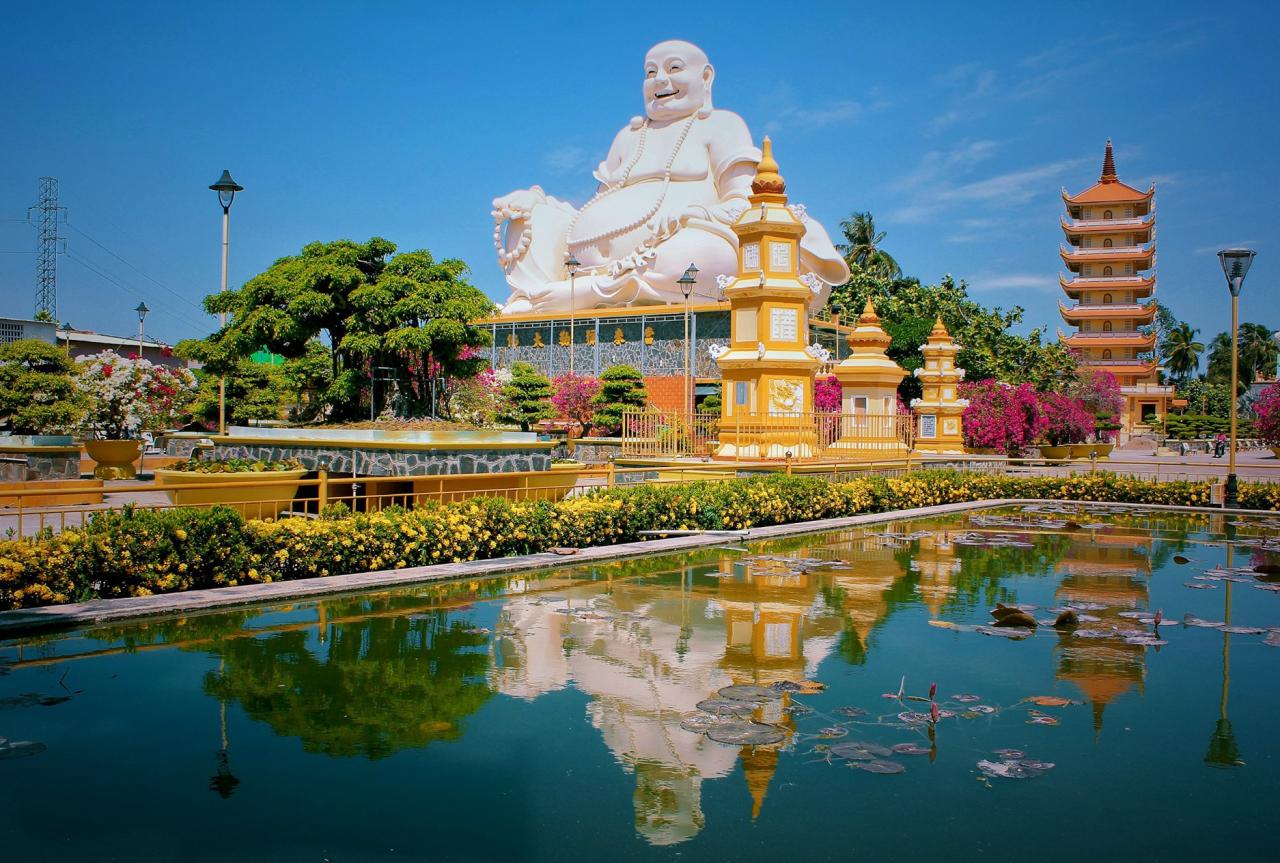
1111	254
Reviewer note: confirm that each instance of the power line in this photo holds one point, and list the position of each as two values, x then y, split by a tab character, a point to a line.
153	281
128	288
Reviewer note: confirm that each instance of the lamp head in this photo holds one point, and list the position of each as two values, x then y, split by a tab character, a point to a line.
1235	265
142	310
571	264
226	189
686	281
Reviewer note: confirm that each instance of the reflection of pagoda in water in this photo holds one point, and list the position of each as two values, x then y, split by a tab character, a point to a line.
1107	568
647	654
938	567
866	590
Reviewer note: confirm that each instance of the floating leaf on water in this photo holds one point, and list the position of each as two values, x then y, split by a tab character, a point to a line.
1042	719
1200	585
885	767
850	711
746	734
701	723
966	697
833	732
913	718
1274	588
1181	558
798	709
910	749
1014	768
20	748
982	708
852	751
1094	633
1146	640
726	707
1014	632
786	686
1013	754
1192	620
751	693
1049	700
1244	630
1272	639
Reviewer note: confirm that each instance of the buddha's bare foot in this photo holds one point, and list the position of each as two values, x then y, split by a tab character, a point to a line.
517	306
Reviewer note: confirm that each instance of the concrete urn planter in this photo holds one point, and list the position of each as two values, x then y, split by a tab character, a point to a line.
243	492
114	458
1055	453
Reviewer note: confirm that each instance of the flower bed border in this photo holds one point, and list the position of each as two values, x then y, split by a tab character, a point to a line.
47	618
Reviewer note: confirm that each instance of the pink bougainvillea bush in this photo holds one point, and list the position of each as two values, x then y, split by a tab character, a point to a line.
1001	416
1267	411
128	395
1064	420
826	394
1100	392
572	396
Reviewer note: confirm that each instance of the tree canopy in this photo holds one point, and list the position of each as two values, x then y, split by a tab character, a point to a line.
370	307
37	391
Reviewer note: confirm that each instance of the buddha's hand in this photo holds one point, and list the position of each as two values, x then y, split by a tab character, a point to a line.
725	213
518	204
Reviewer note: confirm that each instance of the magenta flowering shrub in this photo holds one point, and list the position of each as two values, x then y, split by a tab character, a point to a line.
572	397
1267	411
1065	420
1100	392
1001	416
826	394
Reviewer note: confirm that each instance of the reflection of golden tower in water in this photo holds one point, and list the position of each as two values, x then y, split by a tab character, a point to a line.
939	411
937	566
1112	569
767	371
865	589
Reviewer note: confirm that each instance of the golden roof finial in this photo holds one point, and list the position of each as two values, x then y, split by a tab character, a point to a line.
768	181
939	330
869	315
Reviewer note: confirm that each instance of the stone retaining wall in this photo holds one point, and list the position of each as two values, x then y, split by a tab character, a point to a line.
394	462
47	465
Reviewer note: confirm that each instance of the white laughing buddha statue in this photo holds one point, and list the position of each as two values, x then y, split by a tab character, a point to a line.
673	183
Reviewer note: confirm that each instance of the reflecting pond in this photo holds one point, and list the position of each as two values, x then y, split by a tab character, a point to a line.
824	697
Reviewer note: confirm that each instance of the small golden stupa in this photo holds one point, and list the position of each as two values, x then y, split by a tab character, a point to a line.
939	411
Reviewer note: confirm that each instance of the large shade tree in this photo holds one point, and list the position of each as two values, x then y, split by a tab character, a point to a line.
369	306
862	246
37	392
1257	358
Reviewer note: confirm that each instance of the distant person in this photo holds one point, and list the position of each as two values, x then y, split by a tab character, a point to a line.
1220	445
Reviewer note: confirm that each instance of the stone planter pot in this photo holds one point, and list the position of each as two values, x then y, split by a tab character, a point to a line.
252	501
1275	451
114	458
1104	449
1084	450
1055	453
983	450
555	483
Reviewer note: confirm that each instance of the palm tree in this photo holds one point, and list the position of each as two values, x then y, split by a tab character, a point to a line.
863	246
1181	352
1258	351
1219	369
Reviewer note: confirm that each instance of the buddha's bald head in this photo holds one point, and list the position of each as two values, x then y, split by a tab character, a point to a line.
677	80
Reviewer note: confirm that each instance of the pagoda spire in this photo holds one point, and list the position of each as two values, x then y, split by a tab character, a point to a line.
767	181
1108	166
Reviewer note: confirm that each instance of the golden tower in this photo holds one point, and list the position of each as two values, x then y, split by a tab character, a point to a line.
939	411
869	381
768	369
1110	253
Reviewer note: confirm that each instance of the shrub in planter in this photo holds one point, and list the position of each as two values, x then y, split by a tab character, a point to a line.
1065	420
1000	416
1266	410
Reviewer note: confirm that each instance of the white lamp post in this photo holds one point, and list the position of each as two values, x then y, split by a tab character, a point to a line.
571	264
686	283
226	189
142	314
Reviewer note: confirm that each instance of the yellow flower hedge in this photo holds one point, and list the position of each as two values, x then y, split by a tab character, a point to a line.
137	552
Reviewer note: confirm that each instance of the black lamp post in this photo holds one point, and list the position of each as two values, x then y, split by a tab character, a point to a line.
226	189
686	283
1235	265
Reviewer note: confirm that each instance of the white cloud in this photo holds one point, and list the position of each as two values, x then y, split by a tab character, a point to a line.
568	159
1012	282
1213	250
1012	186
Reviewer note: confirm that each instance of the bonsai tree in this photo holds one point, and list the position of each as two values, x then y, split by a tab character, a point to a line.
38	394
572	397
621	387
527	397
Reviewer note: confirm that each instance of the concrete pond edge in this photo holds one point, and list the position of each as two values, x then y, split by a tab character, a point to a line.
26	621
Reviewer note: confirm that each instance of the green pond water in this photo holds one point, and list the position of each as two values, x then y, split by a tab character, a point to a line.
545	717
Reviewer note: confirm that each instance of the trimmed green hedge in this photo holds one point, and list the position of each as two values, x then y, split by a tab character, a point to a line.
137	552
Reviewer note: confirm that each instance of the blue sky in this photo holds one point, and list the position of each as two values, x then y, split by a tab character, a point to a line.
955	124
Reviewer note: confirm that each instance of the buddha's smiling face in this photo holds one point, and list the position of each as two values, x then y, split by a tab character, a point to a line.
677	80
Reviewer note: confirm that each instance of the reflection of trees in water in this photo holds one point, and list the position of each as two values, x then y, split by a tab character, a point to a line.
379	685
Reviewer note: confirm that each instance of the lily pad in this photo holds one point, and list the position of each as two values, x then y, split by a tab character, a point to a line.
748	692
1014	632
1199	585
967	698
850	711
798	709
885	767
726	707
911	717
701	723
1244	630
1272	639
20	748
1014	768
852	752
1011	753
746	734
1192	620
1146	640
832	732
982	708
910	749
1042	719
1049	700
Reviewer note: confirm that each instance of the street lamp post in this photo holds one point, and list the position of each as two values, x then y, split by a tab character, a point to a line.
686	283
571	264
142	314
1235	265
226	189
